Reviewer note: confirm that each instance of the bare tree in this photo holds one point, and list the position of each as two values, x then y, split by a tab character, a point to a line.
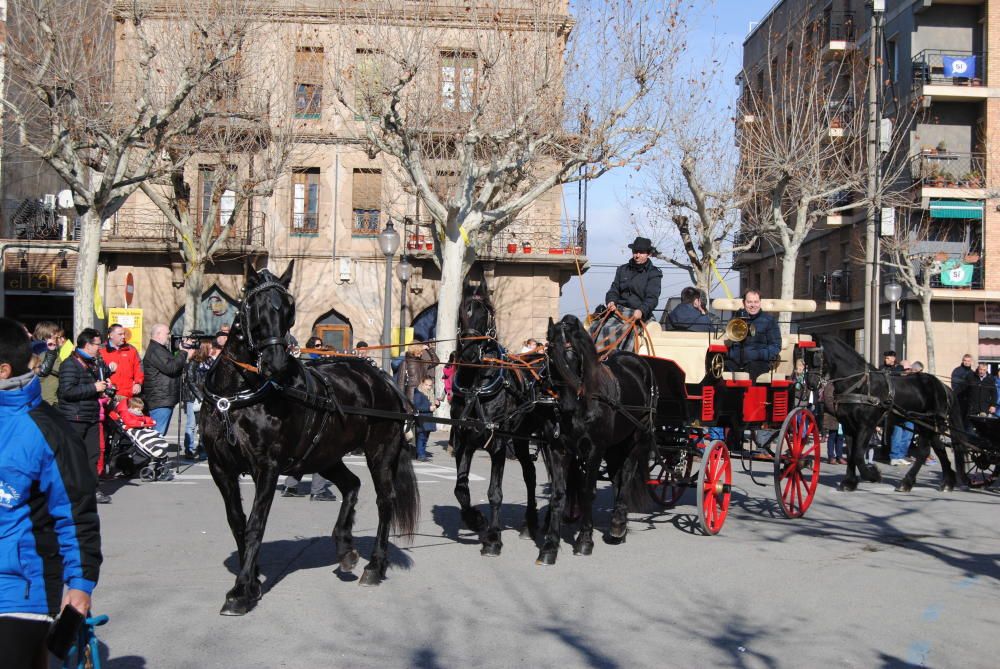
802	134
920	250
99	88
487	106
229	162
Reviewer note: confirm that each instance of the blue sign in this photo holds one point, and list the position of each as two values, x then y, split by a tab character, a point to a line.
959	67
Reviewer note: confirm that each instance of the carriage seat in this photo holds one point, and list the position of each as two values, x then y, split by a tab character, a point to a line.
784	366
687	349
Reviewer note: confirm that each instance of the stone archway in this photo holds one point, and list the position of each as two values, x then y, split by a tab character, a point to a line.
334	328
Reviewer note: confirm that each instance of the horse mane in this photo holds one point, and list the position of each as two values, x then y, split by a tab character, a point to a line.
836	349
578	338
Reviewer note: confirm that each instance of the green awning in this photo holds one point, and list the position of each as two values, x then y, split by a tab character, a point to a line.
956	209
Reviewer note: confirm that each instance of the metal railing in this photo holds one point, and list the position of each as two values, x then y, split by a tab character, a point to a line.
839	27
945	169
526	238
366	222
832	287
962	68
153	226
304	223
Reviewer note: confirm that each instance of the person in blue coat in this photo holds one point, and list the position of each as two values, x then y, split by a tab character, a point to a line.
50	543
762	345
690	313
424	403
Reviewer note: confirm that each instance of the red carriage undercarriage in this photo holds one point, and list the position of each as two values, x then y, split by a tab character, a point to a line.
699	401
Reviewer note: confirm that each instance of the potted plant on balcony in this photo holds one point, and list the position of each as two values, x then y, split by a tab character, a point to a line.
942	147
526	247
973	179
512	244
933	176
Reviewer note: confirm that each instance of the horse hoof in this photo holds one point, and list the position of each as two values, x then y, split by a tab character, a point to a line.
349	561
615	541
946	487
526	533
847	486
964	487
904	486
370	577
546	558
235	606
491	550
583	548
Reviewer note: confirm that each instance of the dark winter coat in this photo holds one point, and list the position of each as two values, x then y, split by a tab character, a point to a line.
77	394
763	344
163	376
423	406
686	317
962	378
636	286
982	394
195	372
413	370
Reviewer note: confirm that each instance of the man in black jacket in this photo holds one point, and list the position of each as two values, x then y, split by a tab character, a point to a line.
982	392
634	294
162	388
762	344
962	378
82	382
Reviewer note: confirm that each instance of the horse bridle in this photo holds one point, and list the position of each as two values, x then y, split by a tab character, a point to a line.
255	348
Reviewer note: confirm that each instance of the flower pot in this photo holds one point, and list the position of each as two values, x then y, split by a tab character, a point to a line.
429	245
526	248
554	251
512	248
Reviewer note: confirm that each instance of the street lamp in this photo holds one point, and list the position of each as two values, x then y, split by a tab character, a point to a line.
404	270
892	292
388	242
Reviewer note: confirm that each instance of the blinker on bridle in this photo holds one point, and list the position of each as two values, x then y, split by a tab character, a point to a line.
270	283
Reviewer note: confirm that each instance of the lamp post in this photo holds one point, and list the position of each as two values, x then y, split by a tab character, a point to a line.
403	272
892	292
388	242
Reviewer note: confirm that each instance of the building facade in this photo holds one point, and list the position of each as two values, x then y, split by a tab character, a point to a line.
326	214
941	57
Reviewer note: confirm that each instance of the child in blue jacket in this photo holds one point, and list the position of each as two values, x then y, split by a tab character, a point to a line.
424	403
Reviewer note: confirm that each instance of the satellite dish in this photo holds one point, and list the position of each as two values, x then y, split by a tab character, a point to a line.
65	199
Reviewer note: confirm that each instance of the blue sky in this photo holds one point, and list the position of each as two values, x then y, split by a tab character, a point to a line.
717	32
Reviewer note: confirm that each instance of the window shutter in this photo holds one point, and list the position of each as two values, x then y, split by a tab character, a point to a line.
367	193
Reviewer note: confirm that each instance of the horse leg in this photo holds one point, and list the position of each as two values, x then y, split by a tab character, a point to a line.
491	541
950	477
472	517
375	570
856	461
584	544
922	447
530	527
247	591
559	462
348	484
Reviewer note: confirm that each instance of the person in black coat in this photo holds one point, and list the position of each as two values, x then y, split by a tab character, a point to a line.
962	378
690	313
982	392
635	290
161	390
763	343
82	383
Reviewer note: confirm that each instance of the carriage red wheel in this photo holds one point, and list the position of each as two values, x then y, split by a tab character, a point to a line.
669	478
715	484
796	462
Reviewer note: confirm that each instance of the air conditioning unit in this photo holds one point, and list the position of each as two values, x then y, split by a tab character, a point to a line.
345	270
49	201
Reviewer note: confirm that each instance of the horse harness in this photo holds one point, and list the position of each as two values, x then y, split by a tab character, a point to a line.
850	396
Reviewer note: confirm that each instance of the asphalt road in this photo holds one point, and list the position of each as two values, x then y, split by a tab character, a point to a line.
866	579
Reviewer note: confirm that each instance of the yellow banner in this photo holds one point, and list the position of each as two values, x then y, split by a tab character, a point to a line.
131	320
98	304
396	348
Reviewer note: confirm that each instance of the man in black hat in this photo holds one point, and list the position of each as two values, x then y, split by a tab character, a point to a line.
634	293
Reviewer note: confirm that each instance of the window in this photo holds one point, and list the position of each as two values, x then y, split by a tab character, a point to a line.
309	82
892	60
337	337
367	83
305	200
366	202
458	81
209	191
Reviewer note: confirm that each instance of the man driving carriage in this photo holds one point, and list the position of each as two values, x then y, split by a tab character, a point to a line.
761	347
633	294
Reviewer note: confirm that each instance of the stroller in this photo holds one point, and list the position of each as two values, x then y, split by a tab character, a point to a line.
139	450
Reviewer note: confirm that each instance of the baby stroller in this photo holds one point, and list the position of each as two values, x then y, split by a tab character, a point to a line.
137	450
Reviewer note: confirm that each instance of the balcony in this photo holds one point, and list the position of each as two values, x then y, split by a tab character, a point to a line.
526	240
841	114
960	273
950	76
151	232
829	290
942	173
839	34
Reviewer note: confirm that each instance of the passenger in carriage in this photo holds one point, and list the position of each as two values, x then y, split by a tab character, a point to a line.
762	344
690	313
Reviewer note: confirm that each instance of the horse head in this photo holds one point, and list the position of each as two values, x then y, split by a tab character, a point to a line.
477	316
266	315
572	352
839	359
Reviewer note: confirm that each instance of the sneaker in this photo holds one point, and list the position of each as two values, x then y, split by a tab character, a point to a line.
900	462
325	496
102	498
292	492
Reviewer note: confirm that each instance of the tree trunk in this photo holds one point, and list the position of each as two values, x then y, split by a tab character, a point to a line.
86	271
925	311
703	282
450	294
788	262
192	295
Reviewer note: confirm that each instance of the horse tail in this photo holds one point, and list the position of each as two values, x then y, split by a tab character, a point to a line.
406	495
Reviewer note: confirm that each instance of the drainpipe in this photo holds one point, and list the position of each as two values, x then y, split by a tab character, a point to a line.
336	200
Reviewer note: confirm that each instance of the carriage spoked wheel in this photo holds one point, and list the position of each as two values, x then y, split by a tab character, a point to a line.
978	470
715	484
669	478
796	462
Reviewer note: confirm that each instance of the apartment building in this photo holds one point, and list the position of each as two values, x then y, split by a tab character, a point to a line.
326	214
939	57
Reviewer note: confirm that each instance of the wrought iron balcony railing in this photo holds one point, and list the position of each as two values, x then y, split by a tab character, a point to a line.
526	238
961	68
945	169
152	226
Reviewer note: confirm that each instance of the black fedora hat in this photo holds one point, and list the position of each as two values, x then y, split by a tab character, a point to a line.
642	245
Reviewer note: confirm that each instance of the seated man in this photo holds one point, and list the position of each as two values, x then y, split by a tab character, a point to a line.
690	313
762	344
633	294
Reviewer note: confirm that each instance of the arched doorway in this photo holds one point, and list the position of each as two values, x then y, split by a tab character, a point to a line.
217	309
335	330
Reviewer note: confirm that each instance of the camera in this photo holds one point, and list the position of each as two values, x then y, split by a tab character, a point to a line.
110	391
190	341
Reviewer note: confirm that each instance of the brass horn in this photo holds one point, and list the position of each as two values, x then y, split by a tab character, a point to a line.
737	330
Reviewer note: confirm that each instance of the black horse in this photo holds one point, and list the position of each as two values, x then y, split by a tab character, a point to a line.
865	395
491	394
607	413
270	414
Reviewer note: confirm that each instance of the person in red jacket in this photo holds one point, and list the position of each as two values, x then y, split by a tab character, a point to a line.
123	360
129	412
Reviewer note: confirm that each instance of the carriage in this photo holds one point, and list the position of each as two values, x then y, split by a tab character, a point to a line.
698	400
982	457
